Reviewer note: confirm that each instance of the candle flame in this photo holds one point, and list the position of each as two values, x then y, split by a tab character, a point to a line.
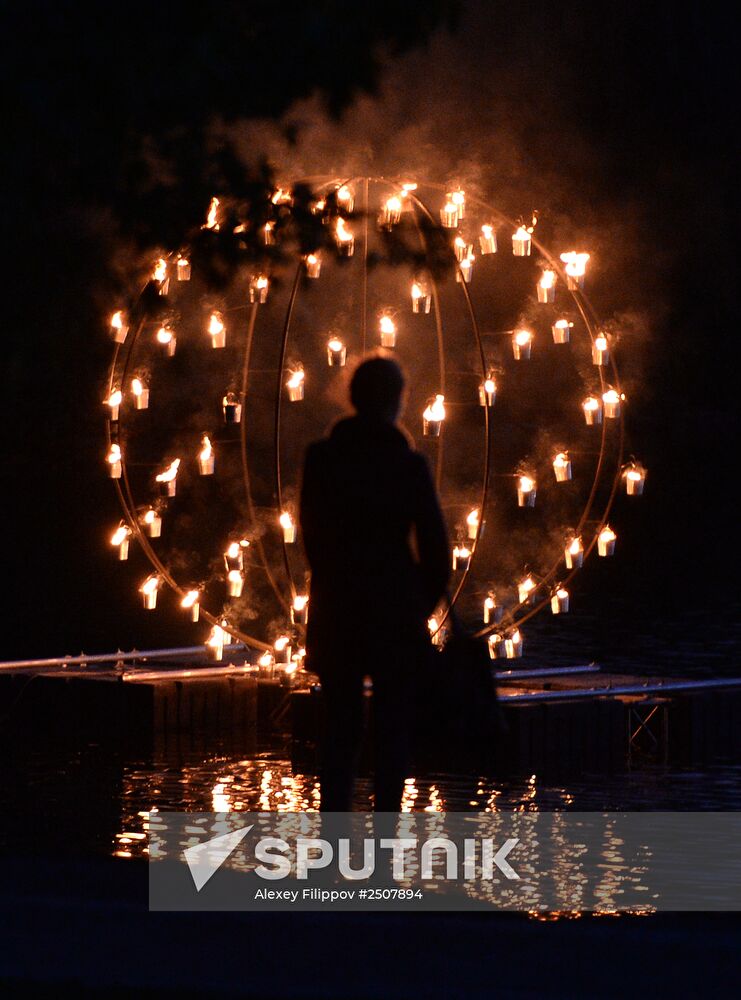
523	337
117	320
159	274
387	325
215	324
473	518
487	231
299	602
590	404
164	335
281	642
335	345
435	410
206	451
114	399
170	472
286	521
120	535
576	263
212	215
114	454
607	534
342	233
296	378
150	585
191	598
137	386
394	204
561	460
547	279
612	396
344	194
527	484
576	546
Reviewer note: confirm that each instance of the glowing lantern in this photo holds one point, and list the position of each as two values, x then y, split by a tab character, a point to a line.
391	211
522	242
212	216
488	239
345	239
345	198
119	327
462	248
217	330
295	385
120	540
433	416
313	264
234	555
299	609
168	479
513	645
149	590
166	337
493	612
421	298
259	289
560	601
600	350
217	639
282	648
573	554
526	491
458	198
235	583
576	266
449	215
336	353
266	660
592	409
547	286
522	345
269	234
231	408
488	391
438	632
159	276
114	461
282	196
387	329
182	269
562	467
289	527
634	477
465	269
611	402
192	602
114	402
473	523
461	557
495	642
561	331
526	589
606	541
206	458
152	523
140	392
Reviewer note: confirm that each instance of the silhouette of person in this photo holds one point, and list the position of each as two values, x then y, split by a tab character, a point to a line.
377	547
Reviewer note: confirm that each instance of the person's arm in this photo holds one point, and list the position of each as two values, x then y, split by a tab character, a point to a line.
432	537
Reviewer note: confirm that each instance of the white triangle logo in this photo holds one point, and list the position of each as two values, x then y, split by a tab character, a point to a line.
204	860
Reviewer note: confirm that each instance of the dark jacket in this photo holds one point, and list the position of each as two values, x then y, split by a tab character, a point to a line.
375	540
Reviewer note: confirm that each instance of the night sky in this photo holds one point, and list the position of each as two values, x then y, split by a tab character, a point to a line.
618	117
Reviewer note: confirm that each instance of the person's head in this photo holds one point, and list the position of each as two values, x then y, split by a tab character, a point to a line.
376	389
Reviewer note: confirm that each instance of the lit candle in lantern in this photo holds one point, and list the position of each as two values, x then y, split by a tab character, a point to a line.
488	239
336	353
148	590
438	632
391	213
562	467
166	337
295	385
461	557
159	276
345	239
266	660
573	554
387	329
421	298
547	286
231	408
526	589
458	198
606	541
611	402
212	216
282	196
634	477
119	326
259	285
206	458
234	555
234	583
461	248
114	402
465	269
289	527
576	266
152	523
526	491
113	458
495	642
513	645
560	601
168	479
282	648
600	350
299	609
217	330
449	214
433	416
140	392
522	242
269	234
592	409
345	198
182	269
473	522
493	612
561	331
192	602
522	345
313	264
488	391
120	540
217	639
